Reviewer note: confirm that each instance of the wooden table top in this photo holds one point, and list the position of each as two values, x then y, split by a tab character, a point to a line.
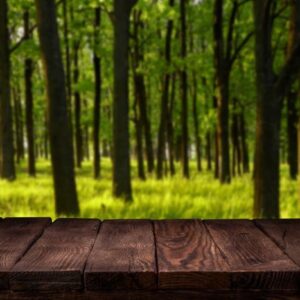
170	258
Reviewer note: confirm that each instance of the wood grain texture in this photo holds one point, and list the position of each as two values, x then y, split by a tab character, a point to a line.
57	259
123	257
16	236
256	261
187	257
285	233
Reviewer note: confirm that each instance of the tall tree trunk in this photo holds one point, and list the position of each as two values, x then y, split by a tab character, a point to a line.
196	125
121	152
164	101
29	102
184	96
236	153
143	102
139	138
68	67
18	125
222	94
271	89
208	151
77	108
245	151
66	202
7	165
217	151
292	121
170	128
97	97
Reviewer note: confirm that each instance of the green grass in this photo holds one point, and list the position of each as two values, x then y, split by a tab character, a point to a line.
200	197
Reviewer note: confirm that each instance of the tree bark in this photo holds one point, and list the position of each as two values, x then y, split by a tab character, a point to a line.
245	151
97	97
121	151
68	67
7	165
184	96
292	121
77	108
29	102
271	90
222	94
170	127
66	202
164	101
196	125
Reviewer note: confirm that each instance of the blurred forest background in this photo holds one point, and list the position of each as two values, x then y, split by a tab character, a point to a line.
149	108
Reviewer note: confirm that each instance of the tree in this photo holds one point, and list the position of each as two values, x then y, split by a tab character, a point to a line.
164	100
7	167
184	96
29	100
59	127
271	89
224	58
121	151
97	96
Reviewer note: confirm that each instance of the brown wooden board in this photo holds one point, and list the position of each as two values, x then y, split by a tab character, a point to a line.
254	258
188	258
57	259
151	295
285	233
123	257
16	236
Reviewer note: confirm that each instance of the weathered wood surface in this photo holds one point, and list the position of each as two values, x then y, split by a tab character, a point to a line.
144	259
187	257
254	259
123	257
285	233
16	236
57	259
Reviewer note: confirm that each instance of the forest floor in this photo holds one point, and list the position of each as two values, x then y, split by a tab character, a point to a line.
200	197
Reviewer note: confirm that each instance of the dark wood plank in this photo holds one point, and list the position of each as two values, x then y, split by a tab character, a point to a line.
16	236
285	233
151	295
123	257
188	258
256	260
57	259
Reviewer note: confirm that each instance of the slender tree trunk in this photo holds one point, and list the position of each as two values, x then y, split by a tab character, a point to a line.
184	96
236	153
139	138
68	67
18	125
77	104
208	151
121	151
196	125
29	102
245	151
66	202
164	101
217	151
170	128
7	165
141	98
97	97
292	121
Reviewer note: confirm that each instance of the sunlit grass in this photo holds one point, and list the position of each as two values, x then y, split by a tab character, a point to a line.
200	197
